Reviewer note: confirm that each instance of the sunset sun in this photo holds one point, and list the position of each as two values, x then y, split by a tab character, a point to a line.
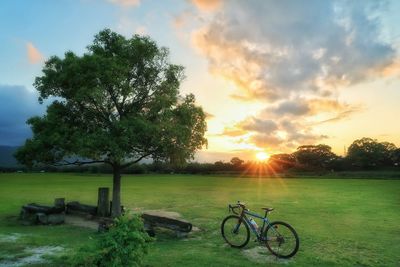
262	156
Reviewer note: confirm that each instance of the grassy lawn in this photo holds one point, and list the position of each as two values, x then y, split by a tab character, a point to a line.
340	222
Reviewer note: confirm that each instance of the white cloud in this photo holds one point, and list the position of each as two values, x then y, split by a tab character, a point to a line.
295	56
276	48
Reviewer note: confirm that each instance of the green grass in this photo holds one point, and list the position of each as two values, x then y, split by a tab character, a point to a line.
341	222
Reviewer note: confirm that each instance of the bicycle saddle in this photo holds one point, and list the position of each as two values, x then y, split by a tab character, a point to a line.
268	209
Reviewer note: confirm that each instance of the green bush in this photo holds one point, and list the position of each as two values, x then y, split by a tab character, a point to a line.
124	244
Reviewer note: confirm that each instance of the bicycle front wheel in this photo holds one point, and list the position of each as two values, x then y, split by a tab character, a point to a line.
235	231
281	239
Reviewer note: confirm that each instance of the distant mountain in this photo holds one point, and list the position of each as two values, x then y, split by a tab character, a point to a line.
6	156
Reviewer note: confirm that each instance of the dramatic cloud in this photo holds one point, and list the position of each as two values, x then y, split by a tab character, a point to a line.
34	55
289	123
278	135
278	49
126	3
17	105
296	57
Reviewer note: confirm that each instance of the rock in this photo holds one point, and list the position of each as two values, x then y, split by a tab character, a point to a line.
35	208
42	218
27	218
152	220
56	218
33	213
75	207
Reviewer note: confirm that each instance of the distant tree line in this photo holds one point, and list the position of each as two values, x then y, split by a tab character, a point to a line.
362	155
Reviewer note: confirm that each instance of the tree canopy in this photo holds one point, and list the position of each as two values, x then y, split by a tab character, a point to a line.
368	152
117	103
314	155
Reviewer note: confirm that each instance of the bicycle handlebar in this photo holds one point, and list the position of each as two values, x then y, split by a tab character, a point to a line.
233	208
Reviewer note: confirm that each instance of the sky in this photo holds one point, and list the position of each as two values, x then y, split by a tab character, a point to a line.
271	75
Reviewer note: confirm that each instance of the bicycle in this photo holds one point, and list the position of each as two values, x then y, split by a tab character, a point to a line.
279	237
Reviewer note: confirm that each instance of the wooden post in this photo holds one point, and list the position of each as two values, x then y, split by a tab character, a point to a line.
59	203
103	202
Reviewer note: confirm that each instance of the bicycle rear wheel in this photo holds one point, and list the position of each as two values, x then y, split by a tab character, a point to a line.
235	231
281	239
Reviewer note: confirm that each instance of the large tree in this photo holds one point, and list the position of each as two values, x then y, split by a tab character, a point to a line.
315	156
282	161
117	104
369	153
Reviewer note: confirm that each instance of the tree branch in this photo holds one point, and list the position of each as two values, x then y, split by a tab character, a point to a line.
78	162
135	161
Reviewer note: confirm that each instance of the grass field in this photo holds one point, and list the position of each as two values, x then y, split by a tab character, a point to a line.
341	222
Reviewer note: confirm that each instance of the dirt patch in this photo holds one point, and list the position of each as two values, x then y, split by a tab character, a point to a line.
36	256
260	254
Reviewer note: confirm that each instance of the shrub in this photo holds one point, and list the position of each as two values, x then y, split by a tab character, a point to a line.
124	244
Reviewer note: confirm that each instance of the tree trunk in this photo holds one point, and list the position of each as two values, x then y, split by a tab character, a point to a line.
116	197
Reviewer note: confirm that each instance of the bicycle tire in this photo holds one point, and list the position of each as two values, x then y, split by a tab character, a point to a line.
268	232
226	228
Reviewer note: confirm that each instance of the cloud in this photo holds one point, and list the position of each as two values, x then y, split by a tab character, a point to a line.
284	136
258	125
209	116
341	116
278	49
207	5
289	124
292	107
233	132
126	3
34	55
295	57
17	104
267	140
307	107
392	69
180	20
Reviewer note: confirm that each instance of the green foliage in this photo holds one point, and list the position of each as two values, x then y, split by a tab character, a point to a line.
281	162
124	244
117	103
395	156
318	156
369	153
236	162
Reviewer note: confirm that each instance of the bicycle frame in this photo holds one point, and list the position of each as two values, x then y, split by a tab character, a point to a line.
267	232
260	231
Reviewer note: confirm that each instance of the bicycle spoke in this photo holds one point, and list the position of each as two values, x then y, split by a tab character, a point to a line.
235	232
282	243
